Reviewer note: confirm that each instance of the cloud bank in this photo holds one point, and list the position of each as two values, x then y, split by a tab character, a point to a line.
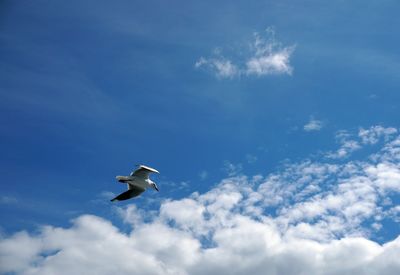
266	56
309	217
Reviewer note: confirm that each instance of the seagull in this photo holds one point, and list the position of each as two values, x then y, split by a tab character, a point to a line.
138	181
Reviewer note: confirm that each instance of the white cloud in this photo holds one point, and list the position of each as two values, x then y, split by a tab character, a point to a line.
373	134
266	57
369	136
347	146
309	217
394	213
271	63
313	125
132	215
223	68
269	56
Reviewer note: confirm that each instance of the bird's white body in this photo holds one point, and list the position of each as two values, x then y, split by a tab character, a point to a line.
136	181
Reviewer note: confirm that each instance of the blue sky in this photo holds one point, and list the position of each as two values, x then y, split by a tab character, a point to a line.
250	95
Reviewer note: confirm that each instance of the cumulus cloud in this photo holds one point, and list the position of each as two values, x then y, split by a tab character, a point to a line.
266	56
309	217
313	125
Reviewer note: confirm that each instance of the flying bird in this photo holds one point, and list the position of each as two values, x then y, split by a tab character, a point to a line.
138	181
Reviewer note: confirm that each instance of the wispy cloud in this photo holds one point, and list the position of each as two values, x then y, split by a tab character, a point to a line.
313	125
304	218
266	56
372	135
223	68
269	57
231	168
348	145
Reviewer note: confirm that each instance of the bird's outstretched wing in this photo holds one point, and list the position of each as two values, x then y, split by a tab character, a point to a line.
143	172
133	191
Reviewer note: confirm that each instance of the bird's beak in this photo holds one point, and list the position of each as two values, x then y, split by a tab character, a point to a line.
155	187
